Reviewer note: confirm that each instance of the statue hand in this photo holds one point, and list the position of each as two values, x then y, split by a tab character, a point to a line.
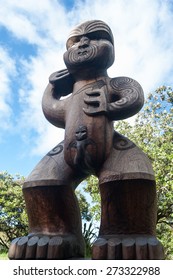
96	102
62	82
56	76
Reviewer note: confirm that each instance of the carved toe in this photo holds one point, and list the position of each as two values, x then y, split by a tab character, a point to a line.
45	247
121	247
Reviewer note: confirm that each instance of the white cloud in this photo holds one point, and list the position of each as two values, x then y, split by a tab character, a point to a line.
143	37
33	21
7	70
143	43
44	25
32	117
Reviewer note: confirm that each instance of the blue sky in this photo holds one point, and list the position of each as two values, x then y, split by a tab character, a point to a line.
32	43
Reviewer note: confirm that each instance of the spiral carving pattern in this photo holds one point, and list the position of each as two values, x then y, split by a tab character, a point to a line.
56	150
122	143
128	89
76	56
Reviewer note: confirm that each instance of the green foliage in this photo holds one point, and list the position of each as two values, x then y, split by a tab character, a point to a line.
3	256
89	234
88	229
165	234
13	218
152	131
84	206
92	188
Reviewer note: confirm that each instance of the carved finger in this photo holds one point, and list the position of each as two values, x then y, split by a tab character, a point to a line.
92	111
92	102
93	93
58	75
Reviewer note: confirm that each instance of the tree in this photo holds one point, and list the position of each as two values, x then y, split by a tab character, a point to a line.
153	132
13	218
88	229
84	206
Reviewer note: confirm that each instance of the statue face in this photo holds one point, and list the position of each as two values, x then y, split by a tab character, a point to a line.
91	50
81	133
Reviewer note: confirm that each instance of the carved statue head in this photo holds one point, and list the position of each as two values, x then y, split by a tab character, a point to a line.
90	45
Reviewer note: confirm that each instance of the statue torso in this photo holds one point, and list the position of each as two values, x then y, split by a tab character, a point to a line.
93	147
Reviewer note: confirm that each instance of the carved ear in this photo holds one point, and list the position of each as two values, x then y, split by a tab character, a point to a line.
62	82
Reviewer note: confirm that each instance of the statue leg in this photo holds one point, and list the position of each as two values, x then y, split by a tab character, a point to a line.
128	221
128	205
55	230
53	213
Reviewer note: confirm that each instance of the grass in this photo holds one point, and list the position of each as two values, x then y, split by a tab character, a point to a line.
3	256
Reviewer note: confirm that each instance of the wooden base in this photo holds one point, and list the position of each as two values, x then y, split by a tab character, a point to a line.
127	247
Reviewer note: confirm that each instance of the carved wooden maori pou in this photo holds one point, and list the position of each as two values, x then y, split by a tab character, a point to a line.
91	146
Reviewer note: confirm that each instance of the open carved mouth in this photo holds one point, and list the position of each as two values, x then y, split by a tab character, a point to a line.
81	53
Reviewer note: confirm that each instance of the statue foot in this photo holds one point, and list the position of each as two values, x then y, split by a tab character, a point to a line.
127	247
46	247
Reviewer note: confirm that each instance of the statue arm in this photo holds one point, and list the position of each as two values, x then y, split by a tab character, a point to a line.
126	98
60	84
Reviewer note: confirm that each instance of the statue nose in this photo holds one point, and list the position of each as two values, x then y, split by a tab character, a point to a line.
84	42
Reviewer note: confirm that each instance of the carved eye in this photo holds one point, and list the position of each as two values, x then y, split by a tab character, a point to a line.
98	35
73	44
73	41
93	36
